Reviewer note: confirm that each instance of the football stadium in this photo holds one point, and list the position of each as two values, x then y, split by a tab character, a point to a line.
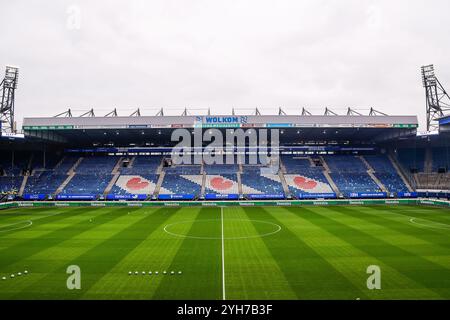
292	207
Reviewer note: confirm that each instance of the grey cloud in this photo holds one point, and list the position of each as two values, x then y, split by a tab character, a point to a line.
223	54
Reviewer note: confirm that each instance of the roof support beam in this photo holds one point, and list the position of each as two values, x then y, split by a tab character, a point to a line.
281	112
90	113
136	113
67	114
374	112
306	112
351	112
112	113
329	112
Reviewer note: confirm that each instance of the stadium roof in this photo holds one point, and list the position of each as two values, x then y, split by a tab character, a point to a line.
232	121
157	129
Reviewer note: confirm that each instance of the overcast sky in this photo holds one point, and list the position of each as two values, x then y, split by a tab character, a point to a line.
223	54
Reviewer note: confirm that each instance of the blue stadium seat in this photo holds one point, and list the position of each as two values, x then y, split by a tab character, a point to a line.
302	178
135	184
350	182
45	182
66	164
255	182
223	183
181	184
87	184
98	165
295	164
92	174
10	184
386	173
221	168
143	165
184	170
350	175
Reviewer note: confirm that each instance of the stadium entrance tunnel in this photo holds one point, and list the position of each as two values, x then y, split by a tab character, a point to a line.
211	229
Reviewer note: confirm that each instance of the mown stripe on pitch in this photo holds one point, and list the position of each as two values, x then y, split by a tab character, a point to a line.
423	208
200	261
309	274
434	214
251	271
315	232
435	240
26	249
153	254
439	215
387	253
51	218
12	215
101	259
45	287
403	227
36	290
401	280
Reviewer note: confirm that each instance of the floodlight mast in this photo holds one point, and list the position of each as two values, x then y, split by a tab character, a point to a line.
8	88
437	99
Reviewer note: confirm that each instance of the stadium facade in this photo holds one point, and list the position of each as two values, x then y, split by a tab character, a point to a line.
129	158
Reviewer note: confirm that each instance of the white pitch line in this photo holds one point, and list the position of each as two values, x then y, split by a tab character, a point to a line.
436	224
168	226
223	257
29	223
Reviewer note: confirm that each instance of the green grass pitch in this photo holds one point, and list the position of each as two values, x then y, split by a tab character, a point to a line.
232	252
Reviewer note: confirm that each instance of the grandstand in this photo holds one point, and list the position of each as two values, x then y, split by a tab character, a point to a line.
313	164
298	177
